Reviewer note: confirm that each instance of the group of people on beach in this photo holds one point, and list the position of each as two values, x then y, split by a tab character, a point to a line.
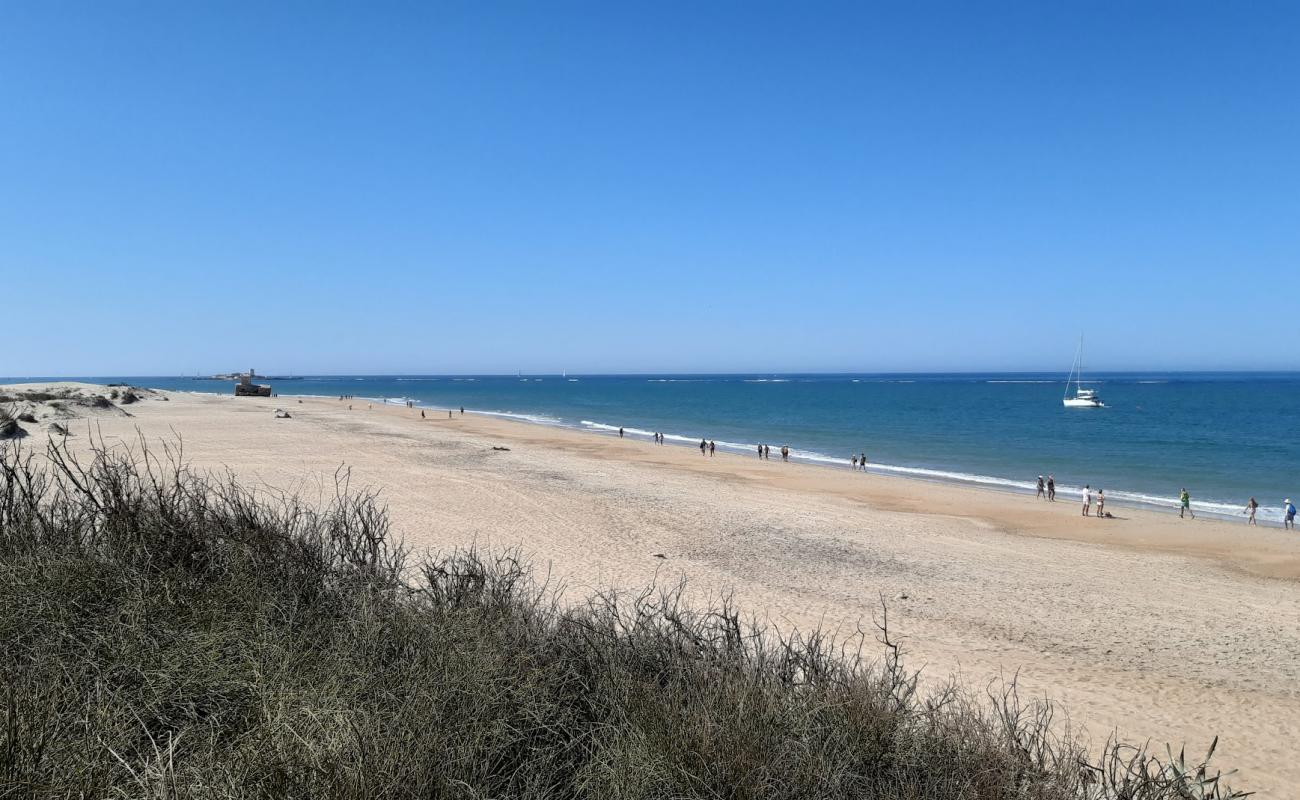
1046	490
765	452
1288	513
1101	502
707	448
411	405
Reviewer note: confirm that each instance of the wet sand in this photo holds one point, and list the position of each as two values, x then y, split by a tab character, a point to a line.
1166	629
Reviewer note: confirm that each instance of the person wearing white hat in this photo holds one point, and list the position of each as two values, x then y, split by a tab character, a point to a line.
1289	509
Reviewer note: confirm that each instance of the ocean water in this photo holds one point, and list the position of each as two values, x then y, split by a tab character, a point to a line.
1224	436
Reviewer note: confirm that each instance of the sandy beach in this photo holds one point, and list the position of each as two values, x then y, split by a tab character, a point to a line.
1160	628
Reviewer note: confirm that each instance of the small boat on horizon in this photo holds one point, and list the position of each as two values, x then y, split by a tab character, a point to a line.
1083	398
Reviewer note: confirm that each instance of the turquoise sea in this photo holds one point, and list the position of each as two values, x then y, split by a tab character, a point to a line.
1224	436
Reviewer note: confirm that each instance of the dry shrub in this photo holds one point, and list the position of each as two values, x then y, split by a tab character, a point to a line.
165	633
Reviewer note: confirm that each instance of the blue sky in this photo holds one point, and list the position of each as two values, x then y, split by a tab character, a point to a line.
607	187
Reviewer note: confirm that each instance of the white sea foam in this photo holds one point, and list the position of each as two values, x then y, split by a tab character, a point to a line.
539	419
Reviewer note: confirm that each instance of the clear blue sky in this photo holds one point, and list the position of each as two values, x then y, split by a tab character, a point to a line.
484	187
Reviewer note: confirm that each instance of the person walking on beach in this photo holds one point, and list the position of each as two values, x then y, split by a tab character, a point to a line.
712	447
1042	488
620	432
422	413
1185	504
1250	511
1101	503
785	452
760	451
855	462
1087	499
1051	489
767	452
862	461
1288	510
704	447
462	411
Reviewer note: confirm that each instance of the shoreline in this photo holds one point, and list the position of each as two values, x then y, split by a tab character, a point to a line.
1268	515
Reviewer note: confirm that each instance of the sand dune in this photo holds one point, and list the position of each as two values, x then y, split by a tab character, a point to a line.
1164	629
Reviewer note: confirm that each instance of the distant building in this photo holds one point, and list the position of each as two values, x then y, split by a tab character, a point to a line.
246	387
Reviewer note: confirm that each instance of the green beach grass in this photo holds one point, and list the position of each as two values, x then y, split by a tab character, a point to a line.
166	634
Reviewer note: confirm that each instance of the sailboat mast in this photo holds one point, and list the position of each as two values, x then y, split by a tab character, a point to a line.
1076	368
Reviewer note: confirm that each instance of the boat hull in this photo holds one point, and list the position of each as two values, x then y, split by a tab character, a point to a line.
1082	402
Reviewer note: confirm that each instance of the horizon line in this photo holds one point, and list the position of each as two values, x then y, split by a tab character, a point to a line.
283	374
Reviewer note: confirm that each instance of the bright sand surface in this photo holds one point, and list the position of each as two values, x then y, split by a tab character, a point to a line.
1164	629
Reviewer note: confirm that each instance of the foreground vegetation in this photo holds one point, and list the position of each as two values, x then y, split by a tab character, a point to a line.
170	634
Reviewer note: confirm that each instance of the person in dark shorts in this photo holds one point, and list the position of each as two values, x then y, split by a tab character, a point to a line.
1051	489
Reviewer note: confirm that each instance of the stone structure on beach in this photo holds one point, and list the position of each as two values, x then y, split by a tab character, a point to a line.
246	387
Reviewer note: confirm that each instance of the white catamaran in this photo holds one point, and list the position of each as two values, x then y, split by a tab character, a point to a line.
1083	398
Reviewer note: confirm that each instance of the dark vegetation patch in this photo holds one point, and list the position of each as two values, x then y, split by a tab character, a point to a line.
171	634
34	396
9	427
